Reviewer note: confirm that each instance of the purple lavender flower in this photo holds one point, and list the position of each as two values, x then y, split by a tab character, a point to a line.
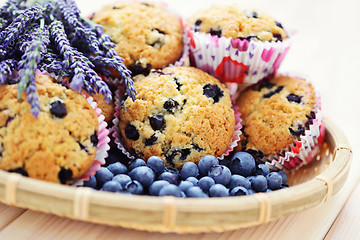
71	21
116	63
29	64
20	23
6	68
80	65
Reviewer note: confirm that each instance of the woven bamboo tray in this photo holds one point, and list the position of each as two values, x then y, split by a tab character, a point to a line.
311	186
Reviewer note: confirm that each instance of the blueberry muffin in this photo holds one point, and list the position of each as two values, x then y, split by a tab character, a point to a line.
232	22
57	146
107	108
275	113
147	36
180	114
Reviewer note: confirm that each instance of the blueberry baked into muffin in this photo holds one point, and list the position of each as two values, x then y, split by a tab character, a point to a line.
275	113
232	22
57	146
180	114
147	36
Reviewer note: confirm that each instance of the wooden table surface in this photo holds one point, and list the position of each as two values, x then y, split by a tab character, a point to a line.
326	48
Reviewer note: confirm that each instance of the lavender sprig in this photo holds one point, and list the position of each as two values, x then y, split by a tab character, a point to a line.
6	68
71	19
115	62
29	64
75	61
20	23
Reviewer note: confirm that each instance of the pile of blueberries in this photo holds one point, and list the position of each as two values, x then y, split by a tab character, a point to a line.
236	176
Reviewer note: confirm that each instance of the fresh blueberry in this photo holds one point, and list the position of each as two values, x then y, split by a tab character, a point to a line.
102	176
168	176
157	122
117	168
58	109
283	176
183	195
189	169
143	174
136	163
251	191
134	187
195	192
239	181
123	179
206	163
91	182
250	178
112	186
198	22
131	132
220	174
239	191
242	163
173	171
193	180
156	164
259	183
205	183
274	180
218	190
185	185
155	188
262	169
170	190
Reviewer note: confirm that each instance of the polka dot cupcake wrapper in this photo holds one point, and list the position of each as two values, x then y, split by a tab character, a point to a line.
305	148
234	60
103	132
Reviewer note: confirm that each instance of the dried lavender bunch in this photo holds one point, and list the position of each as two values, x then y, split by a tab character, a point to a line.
29	64
20	23
77	63
71	51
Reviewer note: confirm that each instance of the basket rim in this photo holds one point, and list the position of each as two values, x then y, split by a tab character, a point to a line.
89	205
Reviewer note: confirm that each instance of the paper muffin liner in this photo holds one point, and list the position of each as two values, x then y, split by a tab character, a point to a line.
304	149
234	60
103	144
186	50
237	132
120	144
